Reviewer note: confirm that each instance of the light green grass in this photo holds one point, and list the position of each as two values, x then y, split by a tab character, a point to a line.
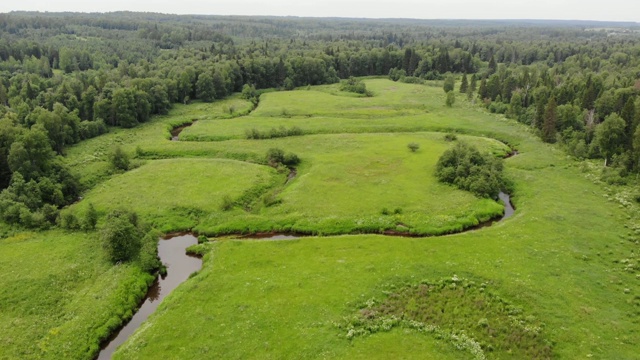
88	159
60	296
280	299
554	259
564	258
348	180
172	193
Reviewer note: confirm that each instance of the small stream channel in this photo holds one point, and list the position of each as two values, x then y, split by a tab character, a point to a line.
175	133
172	253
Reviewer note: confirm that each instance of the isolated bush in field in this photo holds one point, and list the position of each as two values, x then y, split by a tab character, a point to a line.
69	221
120	236
450	137
449	84
90	219
355	86
291	159
451	99
413	146
118	159
275	156
465	167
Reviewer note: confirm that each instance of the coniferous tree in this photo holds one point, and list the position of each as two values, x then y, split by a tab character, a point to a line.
550	120
493	67
474	83
464	85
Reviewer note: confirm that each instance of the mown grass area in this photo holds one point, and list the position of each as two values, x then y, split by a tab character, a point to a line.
60	296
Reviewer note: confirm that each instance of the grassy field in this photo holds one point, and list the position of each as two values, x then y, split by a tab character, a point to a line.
60	296
172	193
564	268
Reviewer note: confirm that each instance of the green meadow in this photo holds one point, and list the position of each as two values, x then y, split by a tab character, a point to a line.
559	279
61	296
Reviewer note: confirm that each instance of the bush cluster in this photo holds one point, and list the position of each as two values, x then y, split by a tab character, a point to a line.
273	133
355	86
465	167
276	157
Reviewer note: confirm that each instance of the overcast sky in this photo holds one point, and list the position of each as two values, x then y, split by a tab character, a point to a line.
614	10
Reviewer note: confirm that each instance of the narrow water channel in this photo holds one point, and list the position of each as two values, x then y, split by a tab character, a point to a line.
509	210
171	250
175	133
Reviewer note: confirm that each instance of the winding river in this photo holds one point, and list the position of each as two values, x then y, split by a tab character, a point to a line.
172	252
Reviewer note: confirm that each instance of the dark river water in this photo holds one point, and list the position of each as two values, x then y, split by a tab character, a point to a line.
171	250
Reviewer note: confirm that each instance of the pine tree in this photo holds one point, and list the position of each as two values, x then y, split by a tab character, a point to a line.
550	120
493	67
464	85
482	92
474	83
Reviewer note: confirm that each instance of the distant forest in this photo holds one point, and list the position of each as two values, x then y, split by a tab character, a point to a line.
66	77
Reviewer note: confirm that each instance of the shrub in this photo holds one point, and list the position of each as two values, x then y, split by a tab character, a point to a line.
465	167
397	74
121	236
90	218
355	86
413	146
450	137
290	159
149	261
118	159
275	156
279	132
69	221
412	80
451	99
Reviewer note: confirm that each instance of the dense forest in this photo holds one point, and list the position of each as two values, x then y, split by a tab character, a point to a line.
68	77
